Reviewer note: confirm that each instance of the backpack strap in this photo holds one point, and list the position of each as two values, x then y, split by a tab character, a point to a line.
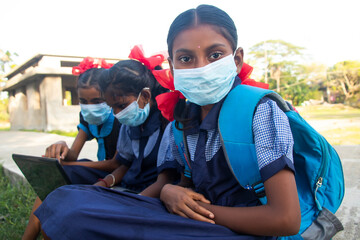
237	138
182	147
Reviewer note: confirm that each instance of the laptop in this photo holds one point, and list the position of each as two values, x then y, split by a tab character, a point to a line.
43	174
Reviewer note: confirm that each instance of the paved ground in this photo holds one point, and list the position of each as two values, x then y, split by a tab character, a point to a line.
35	143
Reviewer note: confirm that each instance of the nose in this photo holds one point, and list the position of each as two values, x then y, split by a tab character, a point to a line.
201	62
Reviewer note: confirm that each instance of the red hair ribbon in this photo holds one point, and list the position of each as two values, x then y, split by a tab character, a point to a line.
244	75
89	63
151	62
167	101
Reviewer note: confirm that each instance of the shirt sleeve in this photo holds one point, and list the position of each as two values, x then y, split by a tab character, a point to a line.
167	157
273	139
124	147
83	125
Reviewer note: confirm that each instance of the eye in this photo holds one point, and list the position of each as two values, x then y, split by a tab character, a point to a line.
121	106
215	56
184	59
98	101
83	101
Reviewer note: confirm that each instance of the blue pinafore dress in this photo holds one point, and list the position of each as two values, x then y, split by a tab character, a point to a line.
137	149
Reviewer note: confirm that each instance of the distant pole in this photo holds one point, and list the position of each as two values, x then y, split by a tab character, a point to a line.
327	87
277	74
266	62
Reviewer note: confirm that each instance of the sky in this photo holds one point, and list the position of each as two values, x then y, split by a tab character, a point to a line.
328	30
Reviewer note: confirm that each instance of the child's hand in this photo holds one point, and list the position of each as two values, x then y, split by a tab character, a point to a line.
182	201
58	150
100	183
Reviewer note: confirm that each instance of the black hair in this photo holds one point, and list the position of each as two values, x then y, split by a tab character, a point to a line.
130	77
203	14
91	78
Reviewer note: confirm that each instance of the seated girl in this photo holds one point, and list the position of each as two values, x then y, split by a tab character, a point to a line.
96	117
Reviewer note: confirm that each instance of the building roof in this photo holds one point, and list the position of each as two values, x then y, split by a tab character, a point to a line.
43	64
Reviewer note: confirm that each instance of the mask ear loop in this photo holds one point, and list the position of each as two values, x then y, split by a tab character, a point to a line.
145	88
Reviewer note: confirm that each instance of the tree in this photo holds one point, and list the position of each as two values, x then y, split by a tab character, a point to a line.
345	76
6	63
278	59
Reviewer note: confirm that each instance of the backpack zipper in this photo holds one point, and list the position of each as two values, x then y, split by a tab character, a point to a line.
323	167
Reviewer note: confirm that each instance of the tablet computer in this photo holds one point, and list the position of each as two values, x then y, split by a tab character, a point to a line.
43	174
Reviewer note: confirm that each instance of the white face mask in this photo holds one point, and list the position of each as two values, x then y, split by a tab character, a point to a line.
95	114
208	84
133	115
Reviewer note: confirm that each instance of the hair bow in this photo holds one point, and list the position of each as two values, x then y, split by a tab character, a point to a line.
166	101
244	75
89	63
151	62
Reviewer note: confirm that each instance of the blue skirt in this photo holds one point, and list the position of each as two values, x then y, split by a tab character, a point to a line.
92	212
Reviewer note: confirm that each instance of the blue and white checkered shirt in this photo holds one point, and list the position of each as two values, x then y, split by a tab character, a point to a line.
272	136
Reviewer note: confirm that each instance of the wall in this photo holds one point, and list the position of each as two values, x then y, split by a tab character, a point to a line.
58	117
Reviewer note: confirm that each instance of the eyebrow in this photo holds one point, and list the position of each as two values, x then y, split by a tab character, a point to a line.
95	99
185	50
215	46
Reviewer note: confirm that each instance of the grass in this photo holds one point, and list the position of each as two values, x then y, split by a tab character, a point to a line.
334	111
342	133
15	206
343	136
4	127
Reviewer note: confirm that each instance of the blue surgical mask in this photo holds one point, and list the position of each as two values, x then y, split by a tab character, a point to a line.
95	114
133	115
208	84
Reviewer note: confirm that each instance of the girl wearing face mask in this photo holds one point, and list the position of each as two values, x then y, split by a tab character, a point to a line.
96	118
96	121
130	90
206	65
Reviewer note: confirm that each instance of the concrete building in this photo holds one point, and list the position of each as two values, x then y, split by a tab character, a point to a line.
42	93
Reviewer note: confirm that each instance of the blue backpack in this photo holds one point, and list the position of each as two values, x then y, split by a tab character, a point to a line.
319	175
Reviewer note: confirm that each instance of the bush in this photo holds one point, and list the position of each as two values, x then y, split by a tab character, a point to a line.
354	101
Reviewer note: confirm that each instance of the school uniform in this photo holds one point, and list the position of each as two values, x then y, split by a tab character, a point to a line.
137	149
137	217
106	136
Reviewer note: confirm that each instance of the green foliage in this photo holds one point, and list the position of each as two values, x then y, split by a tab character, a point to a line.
344	77
354	101
4	113
15	207
6	60
300	93
274	49
296	82
276	54
63	133
58	132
